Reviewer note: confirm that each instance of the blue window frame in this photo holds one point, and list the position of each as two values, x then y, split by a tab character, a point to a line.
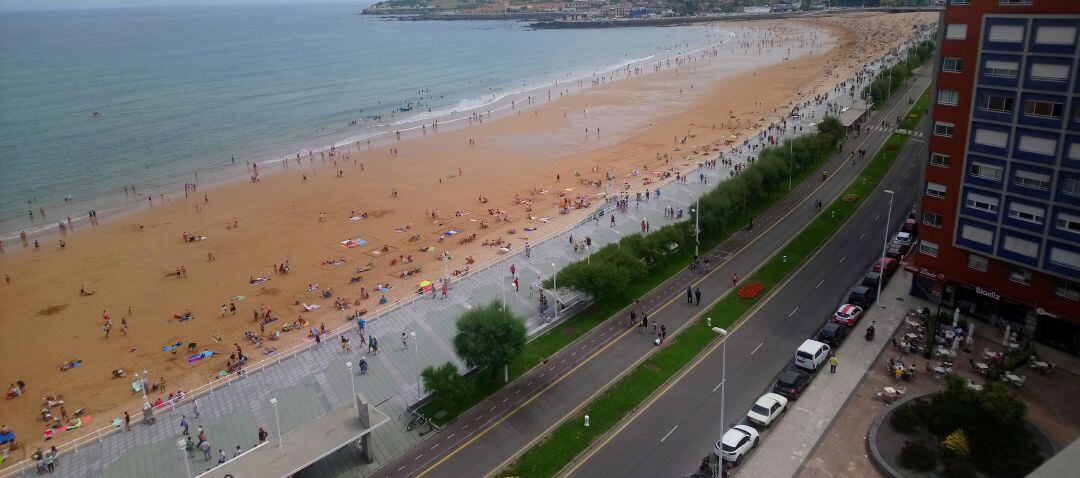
997	69
1046	36
1007	249
1042	110
1035	145
978	229
985	171
1025	214
1005	34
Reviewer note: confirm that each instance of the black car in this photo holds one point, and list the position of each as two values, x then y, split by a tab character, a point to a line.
871	280
862	296
791	383
897	251
833	334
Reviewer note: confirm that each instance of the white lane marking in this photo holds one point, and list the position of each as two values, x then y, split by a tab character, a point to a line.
434	447
401	468
668	434
877	217
717	387
819	283
842	259
529	384
756	348
790	314
417	457
491	409
505	399
861	236
451	436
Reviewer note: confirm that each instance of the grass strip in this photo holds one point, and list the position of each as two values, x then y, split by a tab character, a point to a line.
571	438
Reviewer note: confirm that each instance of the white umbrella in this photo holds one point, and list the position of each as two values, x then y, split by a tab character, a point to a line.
1005	339
971	332
955	343
956	318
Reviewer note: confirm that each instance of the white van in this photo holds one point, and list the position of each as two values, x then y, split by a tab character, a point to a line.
812	354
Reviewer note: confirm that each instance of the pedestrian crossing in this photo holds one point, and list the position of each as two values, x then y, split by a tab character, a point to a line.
886	129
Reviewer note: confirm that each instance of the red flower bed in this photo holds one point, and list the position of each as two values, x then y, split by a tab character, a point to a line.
751	290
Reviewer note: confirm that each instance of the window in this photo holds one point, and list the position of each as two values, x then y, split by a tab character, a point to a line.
1001	69
948	97
935	190
1014	2
941	160
978	263
1032	180
1063	257
980	202
1048	35
928	248
1020	275
1027	213
1067	290
995	103
1037	144
944	129
952	65
986	171
977	234
1071	186
1042	109
990	137
1006	33
1049	72
960	2
931	219
1068	222
1020	246
956	31
1074	149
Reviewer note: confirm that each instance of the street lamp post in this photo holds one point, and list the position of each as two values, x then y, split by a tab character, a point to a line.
277	420
352	381
790	159
181	444
555	289
416	358
723	389
697	230
884	242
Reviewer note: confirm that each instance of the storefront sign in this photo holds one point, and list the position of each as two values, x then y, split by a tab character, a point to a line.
987	293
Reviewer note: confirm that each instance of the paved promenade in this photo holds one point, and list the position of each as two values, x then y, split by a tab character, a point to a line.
315	381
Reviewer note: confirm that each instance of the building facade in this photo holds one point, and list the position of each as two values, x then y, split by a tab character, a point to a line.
1000	212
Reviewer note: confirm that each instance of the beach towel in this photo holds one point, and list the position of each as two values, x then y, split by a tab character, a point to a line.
136	386
7	437
169	348
544	219
309	308
529	229
351	243
239	298
259	280
355	218
199	356
452	231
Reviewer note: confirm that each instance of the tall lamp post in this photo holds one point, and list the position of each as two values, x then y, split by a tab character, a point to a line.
416	358
352	382
277	420
181	444
555	289
790	160
696	211
723	391
884	243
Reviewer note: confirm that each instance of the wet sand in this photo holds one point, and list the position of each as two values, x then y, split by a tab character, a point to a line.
131	262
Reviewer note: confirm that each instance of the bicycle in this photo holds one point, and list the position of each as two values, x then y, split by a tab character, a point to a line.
416	421
412	419
430	426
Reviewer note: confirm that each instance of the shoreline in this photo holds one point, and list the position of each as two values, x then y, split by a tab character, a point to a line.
127	265
380	134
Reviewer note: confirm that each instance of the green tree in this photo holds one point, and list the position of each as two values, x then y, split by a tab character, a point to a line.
444	383
489	336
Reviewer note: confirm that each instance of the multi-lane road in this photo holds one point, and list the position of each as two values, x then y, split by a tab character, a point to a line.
486	438
669	435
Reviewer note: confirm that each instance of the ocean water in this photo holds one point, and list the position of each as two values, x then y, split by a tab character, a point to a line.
181	90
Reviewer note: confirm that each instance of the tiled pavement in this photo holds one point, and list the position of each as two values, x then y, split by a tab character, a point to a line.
315	380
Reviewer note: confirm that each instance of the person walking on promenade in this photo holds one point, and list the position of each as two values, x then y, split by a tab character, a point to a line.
204	446
734	280
195	408
190	448
371	343
697	296
517	286
262	435
689	295
404	341
513	270
644	323
833	362
127	421
183	424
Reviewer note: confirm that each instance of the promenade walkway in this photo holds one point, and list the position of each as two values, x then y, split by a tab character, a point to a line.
314	382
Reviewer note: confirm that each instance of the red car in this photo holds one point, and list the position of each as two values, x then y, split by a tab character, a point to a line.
888	264
848	314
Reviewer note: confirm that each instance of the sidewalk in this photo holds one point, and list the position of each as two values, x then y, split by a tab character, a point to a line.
782	452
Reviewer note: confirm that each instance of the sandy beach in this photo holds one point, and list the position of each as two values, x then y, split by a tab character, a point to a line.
488	180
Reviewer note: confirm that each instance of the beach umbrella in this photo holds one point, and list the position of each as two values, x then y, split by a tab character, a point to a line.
956	318
971	332
1005	339
955	343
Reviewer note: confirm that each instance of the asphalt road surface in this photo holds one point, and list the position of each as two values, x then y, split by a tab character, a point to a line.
487	437
670	435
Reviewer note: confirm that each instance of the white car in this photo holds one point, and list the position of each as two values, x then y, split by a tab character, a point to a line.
903	238
736	443
766	409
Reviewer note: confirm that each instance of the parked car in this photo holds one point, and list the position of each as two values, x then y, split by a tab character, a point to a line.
886	264
812	354
862	296
791	383
833	333
736	443
848	314
910	225
870	279
896	250
766	409
903	238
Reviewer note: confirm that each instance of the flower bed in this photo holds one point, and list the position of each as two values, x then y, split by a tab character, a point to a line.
751	290
850	198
